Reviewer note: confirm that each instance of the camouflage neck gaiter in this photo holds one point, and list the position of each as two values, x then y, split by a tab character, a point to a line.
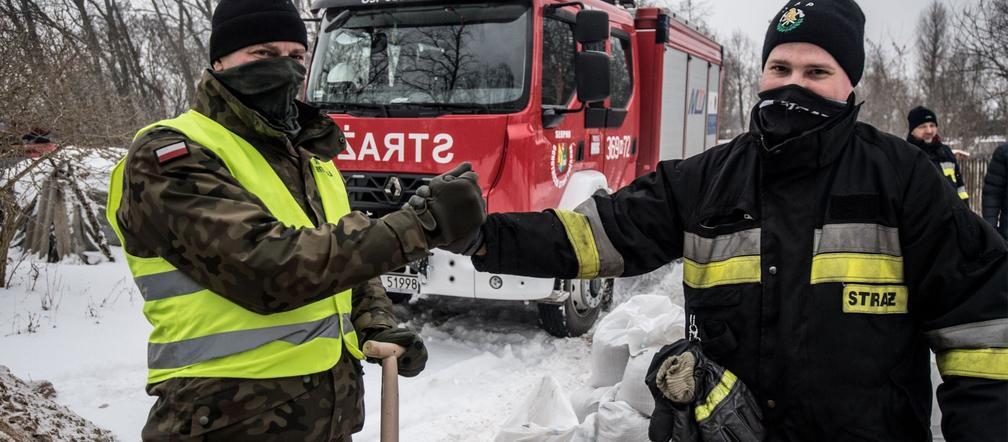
268	87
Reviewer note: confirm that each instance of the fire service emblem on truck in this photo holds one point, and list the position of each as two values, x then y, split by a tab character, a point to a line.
561	161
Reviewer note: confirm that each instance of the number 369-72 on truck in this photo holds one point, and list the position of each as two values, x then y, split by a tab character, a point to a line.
550	101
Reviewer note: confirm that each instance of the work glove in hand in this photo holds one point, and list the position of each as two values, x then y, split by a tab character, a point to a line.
414	359
451	209
713	406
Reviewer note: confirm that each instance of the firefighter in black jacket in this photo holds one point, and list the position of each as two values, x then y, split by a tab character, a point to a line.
923	123
822	259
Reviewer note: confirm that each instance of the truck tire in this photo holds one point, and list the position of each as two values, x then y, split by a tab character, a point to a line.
577	314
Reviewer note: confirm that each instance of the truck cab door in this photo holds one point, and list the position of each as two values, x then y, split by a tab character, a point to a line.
619	144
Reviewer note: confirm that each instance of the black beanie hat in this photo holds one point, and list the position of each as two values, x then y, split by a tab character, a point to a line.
920	115
240	23
834	25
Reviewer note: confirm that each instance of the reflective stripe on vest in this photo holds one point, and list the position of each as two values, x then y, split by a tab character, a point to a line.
722	260
198	333
865	253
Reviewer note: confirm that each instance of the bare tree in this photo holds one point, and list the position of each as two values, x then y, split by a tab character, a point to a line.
741	84
885	87
932	48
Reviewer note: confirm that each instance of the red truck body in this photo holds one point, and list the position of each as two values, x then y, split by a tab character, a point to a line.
374	72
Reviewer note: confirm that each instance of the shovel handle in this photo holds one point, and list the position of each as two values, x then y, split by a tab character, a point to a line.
389	354
382	350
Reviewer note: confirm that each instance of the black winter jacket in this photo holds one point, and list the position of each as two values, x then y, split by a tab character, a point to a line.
820	272
995	191
943	158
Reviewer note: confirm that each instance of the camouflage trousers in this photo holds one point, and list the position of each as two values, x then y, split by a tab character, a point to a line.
326	406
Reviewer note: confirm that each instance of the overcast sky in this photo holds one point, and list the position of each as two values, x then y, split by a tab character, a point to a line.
886	19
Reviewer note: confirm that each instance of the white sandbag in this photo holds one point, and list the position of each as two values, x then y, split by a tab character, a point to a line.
619	422
641	322
545	416
588	430
586	400
632	388
608	361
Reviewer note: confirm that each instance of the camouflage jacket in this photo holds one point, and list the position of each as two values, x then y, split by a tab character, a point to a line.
194	214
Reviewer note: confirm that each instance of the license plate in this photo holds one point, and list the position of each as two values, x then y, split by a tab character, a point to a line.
397	283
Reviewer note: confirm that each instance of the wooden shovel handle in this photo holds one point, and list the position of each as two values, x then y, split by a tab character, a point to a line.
389	353
382	350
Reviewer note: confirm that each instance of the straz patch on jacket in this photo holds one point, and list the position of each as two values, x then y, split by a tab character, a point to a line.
171	152
875	299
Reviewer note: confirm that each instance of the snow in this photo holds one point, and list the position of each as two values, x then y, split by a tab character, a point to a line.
485	356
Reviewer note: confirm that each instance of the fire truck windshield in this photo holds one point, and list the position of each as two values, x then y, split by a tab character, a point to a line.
457	58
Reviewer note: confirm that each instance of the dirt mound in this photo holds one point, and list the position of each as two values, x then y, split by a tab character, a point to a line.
27	414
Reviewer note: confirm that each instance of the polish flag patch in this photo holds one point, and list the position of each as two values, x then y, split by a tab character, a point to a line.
171	152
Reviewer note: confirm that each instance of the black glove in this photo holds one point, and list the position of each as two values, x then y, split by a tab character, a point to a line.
692	411
451	209
414	359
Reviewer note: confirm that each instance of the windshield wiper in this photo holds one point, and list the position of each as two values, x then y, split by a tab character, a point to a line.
351	108
474	108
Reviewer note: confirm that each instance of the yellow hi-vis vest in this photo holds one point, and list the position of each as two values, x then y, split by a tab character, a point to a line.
198	333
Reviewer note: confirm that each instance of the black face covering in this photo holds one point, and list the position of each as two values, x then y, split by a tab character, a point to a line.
789	111
268	87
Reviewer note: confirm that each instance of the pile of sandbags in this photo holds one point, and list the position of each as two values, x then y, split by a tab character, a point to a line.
616	405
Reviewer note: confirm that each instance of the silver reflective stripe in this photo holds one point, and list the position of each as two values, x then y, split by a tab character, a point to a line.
985	334
166	285
719	248
962	189
610	260
192	351
347	323
857	238
947	165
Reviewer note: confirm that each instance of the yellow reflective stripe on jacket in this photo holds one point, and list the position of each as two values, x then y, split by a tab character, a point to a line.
716	395
579	233
986	363
857	267
949	170
732	258
740	270
857	253
962	193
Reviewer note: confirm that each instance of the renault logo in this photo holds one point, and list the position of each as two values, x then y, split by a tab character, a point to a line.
393	189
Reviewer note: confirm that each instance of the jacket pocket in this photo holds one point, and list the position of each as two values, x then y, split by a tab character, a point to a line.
247	398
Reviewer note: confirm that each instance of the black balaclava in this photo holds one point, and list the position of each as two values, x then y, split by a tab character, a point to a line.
269	87
790	111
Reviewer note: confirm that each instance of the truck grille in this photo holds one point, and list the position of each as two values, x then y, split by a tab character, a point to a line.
378	194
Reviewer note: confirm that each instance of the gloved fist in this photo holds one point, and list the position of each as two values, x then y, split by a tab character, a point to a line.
697	399
414	359
451	209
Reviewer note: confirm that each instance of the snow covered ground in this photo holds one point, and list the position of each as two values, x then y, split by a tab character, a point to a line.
81	328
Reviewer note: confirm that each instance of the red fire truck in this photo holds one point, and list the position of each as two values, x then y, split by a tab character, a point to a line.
551	101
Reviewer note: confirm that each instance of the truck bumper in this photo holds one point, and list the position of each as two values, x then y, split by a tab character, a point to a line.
447	274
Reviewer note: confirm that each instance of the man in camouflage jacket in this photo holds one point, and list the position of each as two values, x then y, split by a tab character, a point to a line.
186	207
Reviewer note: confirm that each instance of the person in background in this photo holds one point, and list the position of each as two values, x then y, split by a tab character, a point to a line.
923	123
995	191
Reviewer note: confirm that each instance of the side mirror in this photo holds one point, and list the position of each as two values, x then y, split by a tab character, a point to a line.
591	26
591	70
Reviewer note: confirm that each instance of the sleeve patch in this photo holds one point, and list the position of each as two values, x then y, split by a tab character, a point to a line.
172	152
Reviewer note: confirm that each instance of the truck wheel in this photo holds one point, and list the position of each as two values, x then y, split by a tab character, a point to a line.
578	313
